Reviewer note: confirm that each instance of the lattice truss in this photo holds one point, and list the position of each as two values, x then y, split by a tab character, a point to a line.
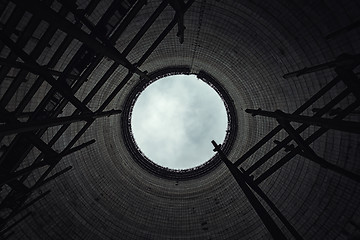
300	132
45	88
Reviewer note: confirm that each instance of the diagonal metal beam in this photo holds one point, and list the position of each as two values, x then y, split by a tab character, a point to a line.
277	129
341	125
19	127
309	153
121	84
255	203
62	88
48	160
297	150
44	180
300	129
29	67
348	28
162	35
51	16
145	27
127	19
15	223
348	61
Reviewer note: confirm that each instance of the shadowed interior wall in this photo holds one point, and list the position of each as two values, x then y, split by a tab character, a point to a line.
247	46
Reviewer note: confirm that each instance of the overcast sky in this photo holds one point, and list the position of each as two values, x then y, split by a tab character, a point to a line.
175	119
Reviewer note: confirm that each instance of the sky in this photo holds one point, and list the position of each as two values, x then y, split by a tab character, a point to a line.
174	120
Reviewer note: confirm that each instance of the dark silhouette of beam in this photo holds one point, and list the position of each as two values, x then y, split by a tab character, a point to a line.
277	129
346	29
335	111
15	223
311	155
179	7
347	61
27	205
48	160
300	129
298	150
341	125
162	35
255	203
350	80
145	27
51	178
39	9
127	19
60	87
19	127
29	67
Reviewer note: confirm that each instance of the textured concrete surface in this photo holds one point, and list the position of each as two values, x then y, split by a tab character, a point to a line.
247	46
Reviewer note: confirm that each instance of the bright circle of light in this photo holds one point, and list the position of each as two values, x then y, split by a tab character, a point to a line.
174	120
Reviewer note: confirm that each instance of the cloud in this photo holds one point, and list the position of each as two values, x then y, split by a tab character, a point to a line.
175	119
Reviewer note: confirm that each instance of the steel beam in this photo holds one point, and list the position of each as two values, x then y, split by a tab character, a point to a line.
161	37
27	205
311	155
62	88
277	129
344	30
77	148
15	223
39	9
48	160
345	60
127	19
29	68
44	181
5	178
19	127
255	203
297	150
273	207
300	129
341	125
54	59
350	80
119	87
179	7
145	27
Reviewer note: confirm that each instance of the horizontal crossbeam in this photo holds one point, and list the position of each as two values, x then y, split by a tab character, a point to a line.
19	127
347	126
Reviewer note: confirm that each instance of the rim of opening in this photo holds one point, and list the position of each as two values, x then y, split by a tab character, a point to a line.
163	172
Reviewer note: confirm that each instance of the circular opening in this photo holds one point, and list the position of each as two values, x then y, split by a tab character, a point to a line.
174	120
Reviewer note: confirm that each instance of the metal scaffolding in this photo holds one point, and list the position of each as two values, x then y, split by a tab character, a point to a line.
98	41
26	128
343	67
